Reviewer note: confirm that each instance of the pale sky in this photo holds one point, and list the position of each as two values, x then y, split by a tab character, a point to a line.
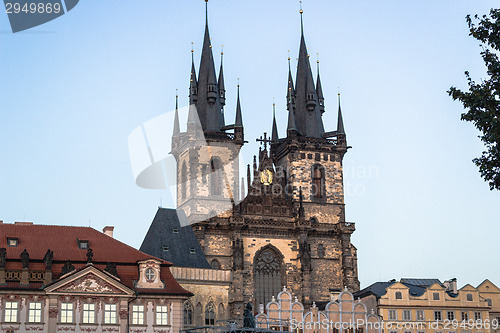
73	89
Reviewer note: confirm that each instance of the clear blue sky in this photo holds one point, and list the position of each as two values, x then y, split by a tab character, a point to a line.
72	90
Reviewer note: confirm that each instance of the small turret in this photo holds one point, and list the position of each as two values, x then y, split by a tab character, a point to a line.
341	137
274	133
193	83
319	92
238	122
222	90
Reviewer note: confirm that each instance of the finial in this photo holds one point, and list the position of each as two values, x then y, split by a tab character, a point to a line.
222	50
192	47
238	82
301	22
288	56
210	42
176	99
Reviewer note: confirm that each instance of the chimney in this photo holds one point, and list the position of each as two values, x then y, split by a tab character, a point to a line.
451	285
108	230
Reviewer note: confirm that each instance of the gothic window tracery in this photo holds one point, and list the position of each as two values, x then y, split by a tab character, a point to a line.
210	314
183	181
267	275
188	313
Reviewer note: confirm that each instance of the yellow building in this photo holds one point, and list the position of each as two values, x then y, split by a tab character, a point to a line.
491	294
427	305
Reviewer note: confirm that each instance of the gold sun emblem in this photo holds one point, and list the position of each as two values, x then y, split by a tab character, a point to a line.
266	177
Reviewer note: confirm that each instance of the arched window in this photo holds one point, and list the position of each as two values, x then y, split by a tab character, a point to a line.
210	314
321	251
215	177
399	295
267	275
199	314
215	264
188	313
318	181
183	181
222	314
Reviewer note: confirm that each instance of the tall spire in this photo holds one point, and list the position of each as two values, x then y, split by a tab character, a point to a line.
307	111
340	122
176	117
290	93
193	82
274	135
222	90
238	122
208	103
319	91
292	127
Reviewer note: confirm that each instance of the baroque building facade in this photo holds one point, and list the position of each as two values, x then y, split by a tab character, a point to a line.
77	279
290	228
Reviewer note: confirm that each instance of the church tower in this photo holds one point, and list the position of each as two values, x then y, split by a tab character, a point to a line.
207	153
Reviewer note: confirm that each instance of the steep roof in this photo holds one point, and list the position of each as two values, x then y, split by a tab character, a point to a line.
379	289
63	241
166	239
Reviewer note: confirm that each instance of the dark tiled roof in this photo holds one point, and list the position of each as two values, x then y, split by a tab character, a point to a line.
379	289
421	282
176	247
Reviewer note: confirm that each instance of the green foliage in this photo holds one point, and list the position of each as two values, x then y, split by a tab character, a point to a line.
482	100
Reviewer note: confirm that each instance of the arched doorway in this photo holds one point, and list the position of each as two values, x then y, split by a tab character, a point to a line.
269	275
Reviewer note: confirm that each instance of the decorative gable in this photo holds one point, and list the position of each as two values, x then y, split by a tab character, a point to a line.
90	283
90	280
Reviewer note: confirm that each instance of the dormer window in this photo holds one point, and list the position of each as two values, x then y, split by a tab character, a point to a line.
192	250
149	274
83	244
12	241
165	248
176	231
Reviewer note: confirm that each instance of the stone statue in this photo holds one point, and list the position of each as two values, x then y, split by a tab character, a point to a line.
25	258
305	255
67	268
111	269
49	257
238	254
3	257
248	318
90	255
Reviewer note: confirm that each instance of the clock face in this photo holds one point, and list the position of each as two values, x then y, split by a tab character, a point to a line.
266	177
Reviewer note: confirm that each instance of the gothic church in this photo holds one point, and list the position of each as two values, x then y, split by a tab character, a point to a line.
290	228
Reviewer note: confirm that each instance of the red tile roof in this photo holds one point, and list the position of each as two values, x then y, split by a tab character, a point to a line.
63	240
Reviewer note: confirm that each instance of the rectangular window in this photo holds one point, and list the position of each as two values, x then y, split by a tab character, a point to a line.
450	315
138	315
406	314
435	296
161	315
66	313
11	312
393	315
477	316
35	312
465	316
83	244
437	315
88	314
469	298
12	242
110	313
420	315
